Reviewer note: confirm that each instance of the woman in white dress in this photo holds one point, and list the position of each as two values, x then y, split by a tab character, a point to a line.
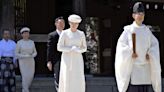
25	52
72	44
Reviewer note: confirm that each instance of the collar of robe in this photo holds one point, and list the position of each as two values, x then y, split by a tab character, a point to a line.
137	26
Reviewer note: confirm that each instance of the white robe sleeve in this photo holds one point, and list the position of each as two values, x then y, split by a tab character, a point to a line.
155	64
83	47
123	62
61	44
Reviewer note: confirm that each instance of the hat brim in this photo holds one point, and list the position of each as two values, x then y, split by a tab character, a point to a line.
75	21
24	31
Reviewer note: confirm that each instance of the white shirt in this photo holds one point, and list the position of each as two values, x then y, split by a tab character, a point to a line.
59	32
7	48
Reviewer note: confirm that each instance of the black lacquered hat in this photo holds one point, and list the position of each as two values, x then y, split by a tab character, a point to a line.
138	7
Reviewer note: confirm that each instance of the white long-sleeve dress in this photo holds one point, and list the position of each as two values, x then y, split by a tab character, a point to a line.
25	52
72	44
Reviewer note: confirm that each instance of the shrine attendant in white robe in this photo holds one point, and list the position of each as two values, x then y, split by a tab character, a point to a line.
142	69
72	44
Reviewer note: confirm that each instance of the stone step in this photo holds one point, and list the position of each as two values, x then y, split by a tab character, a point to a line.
38	85
46	84
93	84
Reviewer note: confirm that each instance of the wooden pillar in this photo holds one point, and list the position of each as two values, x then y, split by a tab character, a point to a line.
0	15
7	15
79	7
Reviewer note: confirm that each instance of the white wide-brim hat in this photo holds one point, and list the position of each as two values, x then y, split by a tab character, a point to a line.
25	29
74	18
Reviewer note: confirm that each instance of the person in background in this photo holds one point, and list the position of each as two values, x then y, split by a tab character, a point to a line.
7	61
25	52
54	56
